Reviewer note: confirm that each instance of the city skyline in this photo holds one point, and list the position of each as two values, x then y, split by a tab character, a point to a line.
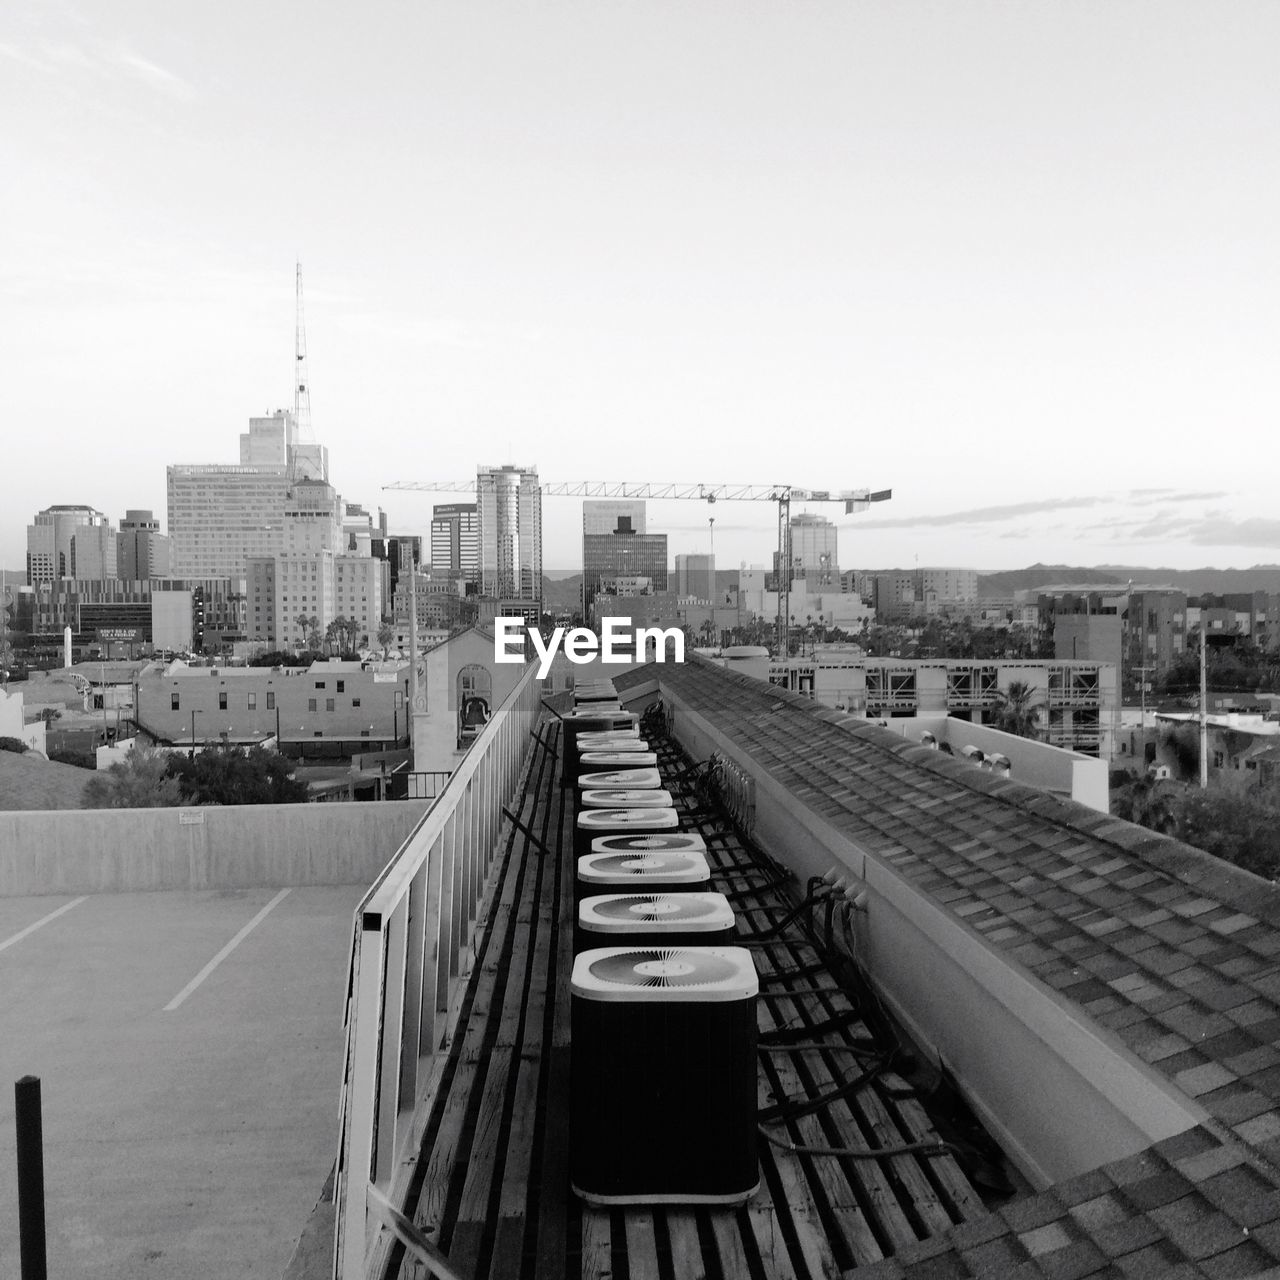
1017	266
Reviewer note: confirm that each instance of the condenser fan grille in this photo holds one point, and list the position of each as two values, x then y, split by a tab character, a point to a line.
642	864
655	906
662	967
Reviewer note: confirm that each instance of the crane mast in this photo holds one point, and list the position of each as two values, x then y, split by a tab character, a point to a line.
782	495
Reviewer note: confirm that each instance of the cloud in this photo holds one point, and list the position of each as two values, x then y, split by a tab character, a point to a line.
106	59
982	515
1253	531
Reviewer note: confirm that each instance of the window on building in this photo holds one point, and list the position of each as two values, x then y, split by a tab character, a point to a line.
222	700
342	685
328	704
319	684
1217	759
311	704
253	702
355	702
271	701
364	733
173	702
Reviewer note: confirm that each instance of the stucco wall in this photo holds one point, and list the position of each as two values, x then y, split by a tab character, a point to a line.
227	847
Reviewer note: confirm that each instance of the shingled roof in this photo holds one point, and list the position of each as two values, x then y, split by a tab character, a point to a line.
1172	950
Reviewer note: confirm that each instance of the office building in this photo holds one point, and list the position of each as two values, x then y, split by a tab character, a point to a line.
696	577
509	531
618	557
142	551
455	541
814	552
53	550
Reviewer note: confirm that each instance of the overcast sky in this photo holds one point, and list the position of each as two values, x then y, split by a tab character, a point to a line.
1017	262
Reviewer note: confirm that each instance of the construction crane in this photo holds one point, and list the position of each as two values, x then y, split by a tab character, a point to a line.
783	495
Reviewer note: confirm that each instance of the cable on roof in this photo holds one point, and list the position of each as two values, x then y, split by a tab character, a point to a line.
938	1148
795	1107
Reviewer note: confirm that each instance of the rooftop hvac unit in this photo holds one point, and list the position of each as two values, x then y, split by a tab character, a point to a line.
606	822
663	1076
646	778
585	720
654	920
583	694
642	871
592	760
614	740
652	842
620	782
624	798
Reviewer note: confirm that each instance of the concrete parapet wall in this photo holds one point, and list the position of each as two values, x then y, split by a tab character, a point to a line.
214	847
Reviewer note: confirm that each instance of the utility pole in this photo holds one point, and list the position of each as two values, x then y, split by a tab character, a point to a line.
1204	711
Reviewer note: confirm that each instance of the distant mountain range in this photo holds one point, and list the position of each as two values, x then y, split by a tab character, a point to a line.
1261	577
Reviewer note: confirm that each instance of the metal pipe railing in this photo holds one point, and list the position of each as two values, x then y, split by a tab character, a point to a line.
410	950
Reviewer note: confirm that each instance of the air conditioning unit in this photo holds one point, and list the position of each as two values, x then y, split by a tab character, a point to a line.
648	779
654	920
594	691
646	793
642	871
592	760
663	1076
589	720
653	842
604	738
591	823
625	798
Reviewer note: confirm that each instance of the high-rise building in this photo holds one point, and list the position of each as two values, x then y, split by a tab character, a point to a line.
52	552
276	441
814	552
617	552
455	541
509	532
696	577
142	551
219	516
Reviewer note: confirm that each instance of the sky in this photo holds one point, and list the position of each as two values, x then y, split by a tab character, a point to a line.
1017	262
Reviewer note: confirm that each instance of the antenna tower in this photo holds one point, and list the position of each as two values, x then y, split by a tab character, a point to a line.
301	390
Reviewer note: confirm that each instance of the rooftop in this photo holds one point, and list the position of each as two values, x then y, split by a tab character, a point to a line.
1122	955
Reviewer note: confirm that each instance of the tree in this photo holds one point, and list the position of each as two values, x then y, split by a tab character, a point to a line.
237	776
140	781
1014	712
304	623
313	633
386	634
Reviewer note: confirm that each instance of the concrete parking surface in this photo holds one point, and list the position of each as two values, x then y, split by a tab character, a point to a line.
189	1047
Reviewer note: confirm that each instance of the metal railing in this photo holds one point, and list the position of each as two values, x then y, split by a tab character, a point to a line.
410	952
427	786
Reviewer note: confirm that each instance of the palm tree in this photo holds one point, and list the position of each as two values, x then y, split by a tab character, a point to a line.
1014	712
386	634
304	624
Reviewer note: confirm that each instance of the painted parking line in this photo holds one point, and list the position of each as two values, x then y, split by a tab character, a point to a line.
224	953
39	924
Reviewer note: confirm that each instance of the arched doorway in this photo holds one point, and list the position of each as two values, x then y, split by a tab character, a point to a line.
474	700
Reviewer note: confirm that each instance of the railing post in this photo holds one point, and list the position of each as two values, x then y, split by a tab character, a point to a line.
30	1144
362	1101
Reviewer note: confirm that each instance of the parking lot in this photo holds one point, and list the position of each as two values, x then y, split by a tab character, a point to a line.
189	1047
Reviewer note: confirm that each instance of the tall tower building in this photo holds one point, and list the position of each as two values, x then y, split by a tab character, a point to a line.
52	550
142	551
617	553
509	531
814	552
696	577
219	516
455	541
